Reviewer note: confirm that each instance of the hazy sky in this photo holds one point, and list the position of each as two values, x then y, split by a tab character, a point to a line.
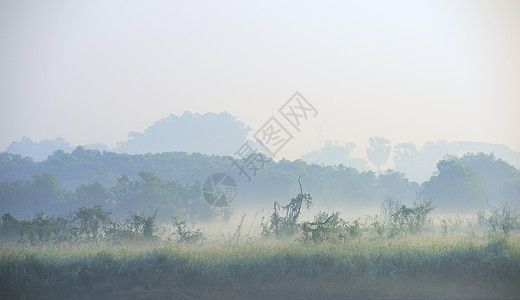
412	71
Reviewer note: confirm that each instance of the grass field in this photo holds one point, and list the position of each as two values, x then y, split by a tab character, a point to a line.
464	266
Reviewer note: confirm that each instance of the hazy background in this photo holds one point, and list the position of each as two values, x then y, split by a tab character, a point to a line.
411	71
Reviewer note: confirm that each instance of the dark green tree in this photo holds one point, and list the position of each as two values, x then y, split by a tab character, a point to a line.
455	187
90	194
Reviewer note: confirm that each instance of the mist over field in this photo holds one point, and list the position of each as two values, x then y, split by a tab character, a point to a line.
269	150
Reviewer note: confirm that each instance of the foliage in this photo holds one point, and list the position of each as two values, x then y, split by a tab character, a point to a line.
83	225
330	228
378	227
238	232
135	227
115	180
83	166
410	219
42	230
149	193
185	234
409	267
503	219
455	185
500	179
93	223
284	219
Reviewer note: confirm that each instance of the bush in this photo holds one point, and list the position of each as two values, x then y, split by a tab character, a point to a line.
187	234
410	219
329	228
93	223
503	219
284	220
41	230
85	224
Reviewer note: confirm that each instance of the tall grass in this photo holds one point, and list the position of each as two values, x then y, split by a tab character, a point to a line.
433	266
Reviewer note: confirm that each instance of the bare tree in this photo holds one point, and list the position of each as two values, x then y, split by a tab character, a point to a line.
388	208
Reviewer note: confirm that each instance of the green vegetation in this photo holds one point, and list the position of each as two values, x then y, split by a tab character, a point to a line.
407	266
171	183
139	236
149	193
400	254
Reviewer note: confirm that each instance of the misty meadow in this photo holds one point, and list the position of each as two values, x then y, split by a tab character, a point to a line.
297	230
274	149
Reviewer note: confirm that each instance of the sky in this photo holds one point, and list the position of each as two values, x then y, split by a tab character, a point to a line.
411	71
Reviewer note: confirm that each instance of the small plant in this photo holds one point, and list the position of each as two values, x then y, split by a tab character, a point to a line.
379	227
353	229
187	234
238	232
482	221
444	227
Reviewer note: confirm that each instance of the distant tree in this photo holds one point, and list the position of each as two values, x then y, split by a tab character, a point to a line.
455	187
394	184
208	133
335	153
38	150
501	180
45	192
93	193
379	151
418	163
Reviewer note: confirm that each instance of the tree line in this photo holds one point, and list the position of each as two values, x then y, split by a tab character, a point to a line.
147	194
171	183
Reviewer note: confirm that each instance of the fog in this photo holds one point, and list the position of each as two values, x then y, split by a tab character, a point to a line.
409	71
281	150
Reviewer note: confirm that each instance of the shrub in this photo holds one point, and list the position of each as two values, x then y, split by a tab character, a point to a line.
503	219
410	219
284	220
329	228
42	229
187	234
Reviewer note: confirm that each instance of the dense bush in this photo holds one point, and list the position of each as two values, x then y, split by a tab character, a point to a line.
410	219
23	198
83	225
330	228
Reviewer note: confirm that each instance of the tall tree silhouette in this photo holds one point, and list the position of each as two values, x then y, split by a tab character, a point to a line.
379	151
